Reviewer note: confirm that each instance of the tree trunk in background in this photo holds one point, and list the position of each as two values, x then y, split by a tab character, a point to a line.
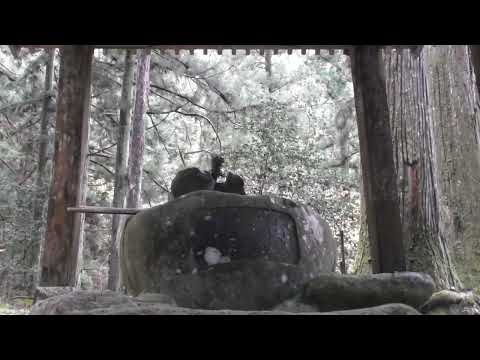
415	161
455	114
268	69
121	174
379	177
137	142
135	158
41	190
61	258
475	59
435	133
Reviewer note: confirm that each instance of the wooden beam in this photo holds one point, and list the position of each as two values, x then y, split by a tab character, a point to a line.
103	210
378	170
61	260
224	47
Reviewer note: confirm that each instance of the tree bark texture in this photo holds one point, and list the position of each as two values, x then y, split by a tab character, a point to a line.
455	117
61	258
135	162
41	190
434	119
475	71
362	263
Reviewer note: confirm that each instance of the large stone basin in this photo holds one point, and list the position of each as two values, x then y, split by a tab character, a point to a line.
215	250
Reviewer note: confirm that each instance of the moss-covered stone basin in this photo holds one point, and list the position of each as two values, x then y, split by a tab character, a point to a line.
213	250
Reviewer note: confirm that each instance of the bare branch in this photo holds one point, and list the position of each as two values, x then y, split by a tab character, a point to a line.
341	162
23	103
100	155
8	73
181	157
186	98
29	123
102	149
40	60
8	166
150	175
28	176
197	151
102	166
207	120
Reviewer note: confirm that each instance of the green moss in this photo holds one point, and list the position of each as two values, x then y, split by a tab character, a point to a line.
27	302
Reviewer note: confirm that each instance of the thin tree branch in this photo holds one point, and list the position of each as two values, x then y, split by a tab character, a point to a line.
150	175
26	102
102	166
28	176
100	155
8	166
8	73
186	98
181	157
157	132
25	126
207	120
103	149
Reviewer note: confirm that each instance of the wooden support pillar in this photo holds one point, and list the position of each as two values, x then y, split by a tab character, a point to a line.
378	170
61	258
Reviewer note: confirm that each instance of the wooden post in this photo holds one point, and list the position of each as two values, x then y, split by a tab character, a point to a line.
378	171
61	259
